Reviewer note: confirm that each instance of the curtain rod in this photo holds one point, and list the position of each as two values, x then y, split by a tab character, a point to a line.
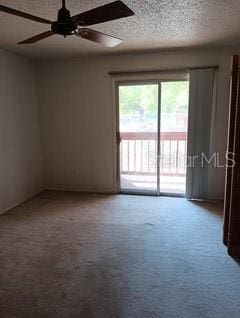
186	69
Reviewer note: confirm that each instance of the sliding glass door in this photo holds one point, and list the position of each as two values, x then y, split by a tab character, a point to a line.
138	127
152	136
173	136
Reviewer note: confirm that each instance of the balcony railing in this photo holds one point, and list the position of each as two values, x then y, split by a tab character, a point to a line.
138	153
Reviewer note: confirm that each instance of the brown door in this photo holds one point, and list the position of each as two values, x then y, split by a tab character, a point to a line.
231	235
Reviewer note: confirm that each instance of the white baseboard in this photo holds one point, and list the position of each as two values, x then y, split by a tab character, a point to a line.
26	198
78	190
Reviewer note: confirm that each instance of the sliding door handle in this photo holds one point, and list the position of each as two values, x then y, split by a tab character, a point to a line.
119	139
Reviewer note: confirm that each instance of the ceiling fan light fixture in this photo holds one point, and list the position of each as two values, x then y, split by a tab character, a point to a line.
69	25
83	32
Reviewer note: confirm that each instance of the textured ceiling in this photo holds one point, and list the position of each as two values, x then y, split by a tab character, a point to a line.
157	24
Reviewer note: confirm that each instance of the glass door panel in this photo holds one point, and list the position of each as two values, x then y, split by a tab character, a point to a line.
138	130
173	136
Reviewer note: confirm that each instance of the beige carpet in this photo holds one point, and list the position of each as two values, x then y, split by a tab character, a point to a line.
72	255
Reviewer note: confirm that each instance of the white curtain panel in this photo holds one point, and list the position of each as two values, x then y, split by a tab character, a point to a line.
200	122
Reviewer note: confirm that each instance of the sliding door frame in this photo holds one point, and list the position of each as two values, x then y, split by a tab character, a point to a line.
130	191
158	156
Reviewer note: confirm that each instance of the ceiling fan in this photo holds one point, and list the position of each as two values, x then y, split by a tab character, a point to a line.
76	25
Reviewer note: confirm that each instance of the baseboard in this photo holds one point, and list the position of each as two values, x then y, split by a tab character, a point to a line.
25	199
79	191
29	197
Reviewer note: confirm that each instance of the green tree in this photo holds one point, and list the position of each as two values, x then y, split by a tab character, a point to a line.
144	98
174	97
138	98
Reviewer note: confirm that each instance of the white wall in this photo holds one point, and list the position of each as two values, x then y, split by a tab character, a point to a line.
78	118
20	141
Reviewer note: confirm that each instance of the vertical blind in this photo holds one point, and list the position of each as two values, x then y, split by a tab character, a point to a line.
200	122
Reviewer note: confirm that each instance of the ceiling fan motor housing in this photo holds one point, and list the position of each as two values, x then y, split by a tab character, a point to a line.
67	25
64	24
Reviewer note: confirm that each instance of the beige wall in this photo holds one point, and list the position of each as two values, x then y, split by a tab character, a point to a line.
20	142
78	116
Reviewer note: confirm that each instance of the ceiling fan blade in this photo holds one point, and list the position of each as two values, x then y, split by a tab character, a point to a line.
108	12
23	14
37	38
98	37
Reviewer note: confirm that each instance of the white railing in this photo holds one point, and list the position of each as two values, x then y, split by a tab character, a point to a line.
138	153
